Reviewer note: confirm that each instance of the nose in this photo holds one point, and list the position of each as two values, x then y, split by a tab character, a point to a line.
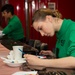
42	33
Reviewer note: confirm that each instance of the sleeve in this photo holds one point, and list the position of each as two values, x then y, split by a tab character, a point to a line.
10	27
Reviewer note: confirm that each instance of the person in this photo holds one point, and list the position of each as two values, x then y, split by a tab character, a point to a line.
14	29
50	22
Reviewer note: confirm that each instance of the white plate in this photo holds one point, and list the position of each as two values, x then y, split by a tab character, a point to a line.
14	63
26	73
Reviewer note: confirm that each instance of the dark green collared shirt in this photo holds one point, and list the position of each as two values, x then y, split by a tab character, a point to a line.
66	39
14	29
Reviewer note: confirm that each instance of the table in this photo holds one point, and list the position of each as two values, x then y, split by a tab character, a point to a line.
6	70
46	71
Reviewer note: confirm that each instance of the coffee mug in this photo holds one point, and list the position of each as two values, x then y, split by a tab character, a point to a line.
17	52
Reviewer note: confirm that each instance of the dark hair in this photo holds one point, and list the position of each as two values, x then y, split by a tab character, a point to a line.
41	14
8	8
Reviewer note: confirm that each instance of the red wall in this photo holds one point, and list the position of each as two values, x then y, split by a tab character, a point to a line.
67	8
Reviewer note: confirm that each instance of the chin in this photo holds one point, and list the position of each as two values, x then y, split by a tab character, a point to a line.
51	35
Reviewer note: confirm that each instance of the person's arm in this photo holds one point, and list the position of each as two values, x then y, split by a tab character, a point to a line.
67	62
10	27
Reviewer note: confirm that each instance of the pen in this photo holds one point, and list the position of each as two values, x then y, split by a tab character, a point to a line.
21	51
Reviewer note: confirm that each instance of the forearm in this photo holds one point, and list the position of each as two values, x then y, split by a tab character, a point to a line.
68	62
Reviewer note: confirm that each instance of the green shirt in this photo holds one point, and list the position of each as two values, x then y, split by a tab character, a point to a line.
66	39
14	29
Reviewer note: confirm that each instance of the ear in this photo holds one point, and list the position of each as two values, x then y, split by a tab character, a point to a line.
49	18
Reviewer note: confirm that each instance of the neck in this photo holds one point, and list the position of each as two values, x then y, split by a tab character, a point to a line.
11	16
58	23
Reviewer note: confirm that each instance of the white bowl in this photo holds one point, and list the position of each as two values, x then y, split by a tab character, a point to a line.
14	63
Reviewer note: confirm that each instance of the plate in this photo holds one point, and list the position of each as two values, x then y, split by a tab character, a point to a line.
26	73
14	63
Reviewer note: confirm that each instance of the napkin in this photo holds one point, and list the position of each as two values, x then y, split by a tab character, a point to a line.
11	55
1	33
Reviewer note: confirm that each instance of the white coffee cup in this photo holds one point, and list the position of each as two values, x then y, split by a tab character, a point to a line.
17	52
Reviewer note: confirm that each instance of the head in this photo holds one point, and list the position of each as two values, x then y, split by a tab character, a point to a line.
7	10
43	21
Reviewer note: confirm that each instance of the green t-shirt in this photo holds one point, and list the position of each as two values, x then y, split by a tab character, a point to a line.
65	44
14	29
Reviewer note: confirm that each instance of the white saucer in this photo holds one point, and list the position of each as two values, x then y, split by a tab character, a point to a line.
6	59
14	63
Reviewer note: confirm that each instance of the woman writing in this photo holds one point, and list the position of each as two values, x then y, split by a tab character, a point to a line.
48	23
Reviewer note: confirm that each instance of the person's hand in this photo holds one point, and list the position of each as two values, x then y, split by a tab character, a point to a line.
48	52
32	60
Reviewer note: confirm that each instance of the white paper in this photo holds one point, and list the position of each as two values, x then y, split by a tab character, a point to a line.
11	55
